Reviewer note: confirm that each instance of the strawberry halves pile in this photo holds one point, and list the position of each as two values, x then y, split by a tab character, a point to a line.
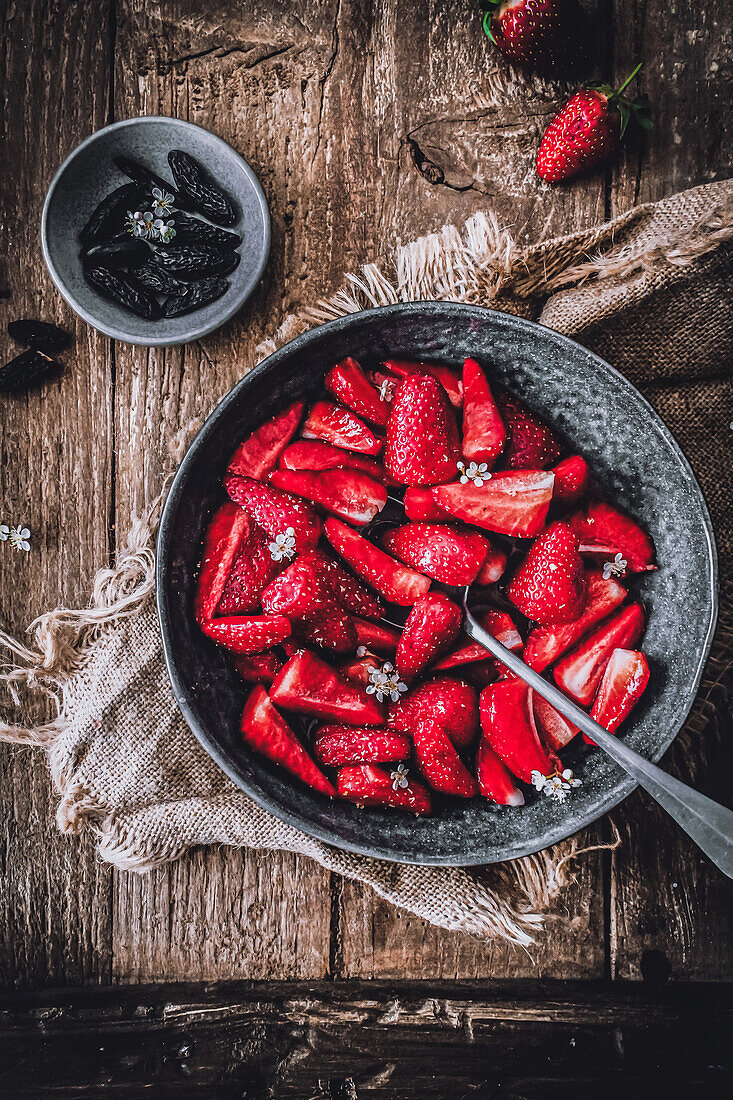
325	575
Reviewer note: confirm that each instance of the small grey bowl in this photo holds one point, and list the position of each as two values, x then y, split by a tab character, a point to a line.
89	174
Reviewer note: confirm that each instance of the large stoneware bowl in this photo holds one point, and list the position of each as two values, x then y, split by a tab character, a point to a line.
636	460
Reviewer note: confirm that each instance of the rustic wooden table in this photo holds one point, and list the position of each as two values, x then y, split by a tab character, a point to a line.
367	123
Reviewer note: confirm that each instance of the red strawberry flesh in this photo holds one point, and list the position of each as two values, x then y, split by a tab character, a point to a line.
484	433
572	478
336	746
308	685
494	779
612	530
511	503
549	586
423	446
493	568
432	625
312	454
439	762
583	133
448	378
419	505
546	644
530	443
380	637
580	673
224	536
252	571
448	554
266	731
349	384
276	511
507	720
554	729
248	633
257	668
396	582
340	427
451	703
349	494
350	593
370	785
624	682
500	625
258	454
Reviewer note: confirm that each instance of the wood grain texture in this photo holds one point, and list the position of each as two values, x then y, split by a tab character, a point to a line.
55	465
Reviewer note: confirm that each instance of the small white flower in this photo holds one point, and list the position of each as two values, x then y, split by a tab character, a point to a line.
283	546
538	780
4	532
399	777
18	537
140	224
362	651
163	202
386	390
477	472
557	787
163	230
385	681
615	568
570	779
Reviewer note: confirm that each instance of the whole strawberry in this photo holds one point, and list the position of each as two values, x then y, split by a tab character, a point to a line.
588	130
423	447
549	586
543	35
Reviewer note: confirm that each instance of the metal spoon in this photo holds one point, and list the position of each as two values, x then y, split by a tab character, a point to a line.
709	824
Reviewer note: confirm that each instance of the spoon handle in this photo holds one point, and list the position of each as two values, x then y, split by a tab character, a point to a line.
708	823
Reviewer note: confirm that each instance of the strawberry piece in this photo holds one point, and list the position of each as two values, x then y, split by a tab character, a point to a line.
484	433
360	670
530	444
419	505
507	720
340	427
266	731
349	494
334	631
433	623
451	704
549	586
495	781
301	590
311	454
448	378
423	447
308	685
276	511
369	785
493	568
252	571
224	535
572	478
258	454
580	673
352	595
604	529
440	763
339	745
394	581
257	668
555	729
547	643
448	554
500	625
248	633
546	35
349	384
623	684
510	503
377	636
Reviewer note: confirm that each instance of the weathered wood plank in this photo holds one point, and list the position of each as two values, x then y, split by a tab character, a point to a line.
54	898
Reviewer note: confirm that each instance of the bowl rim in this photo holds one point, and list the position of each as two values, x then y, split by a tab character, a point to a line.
617	793
195	332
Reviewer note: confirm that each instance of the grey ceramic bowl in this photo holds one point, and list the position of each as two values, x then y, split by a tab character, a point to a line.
635	458
89	174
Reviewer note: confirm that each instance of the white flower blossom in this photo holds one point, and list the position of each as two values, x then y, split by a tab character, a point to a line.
163	230
4	532
557	786
362	651
400	777
477	472
16	536
386	390
140	223
615	568
284	545
385	682
162	202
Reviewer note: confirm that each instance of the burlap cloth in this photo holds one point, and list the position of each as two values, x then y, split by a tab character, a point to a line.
651	292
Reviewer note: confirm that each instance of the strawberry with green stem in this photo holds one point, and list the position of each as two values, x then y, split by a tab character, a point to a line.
544	35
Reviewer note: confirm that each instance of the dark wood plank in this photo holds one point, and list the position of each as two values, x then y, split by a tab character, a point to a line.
55	461
352	1040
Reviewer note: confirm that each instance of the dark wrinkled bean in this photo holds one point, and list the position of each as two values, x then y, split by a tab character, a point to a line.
200	189
124	251
125	291
28	367
190	230
193	262
109	216
194	296
40	335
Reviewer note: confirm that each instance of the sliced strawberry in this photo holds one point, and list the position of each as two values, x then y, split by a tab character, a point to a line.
555	729
377	636
252	571
494	778
350	593
248	633
511	503
349	384
258	454
493	568
449	379
572	478
257	668
301	590
423	446
266	731
369	785
549	586
349	494
440	763
340	427
530	445
449	554
623	684
311	454
500	625
547	643
484	433
419	505
507	720
452	704
335	632
394	581
580	673
339	745
611	531
309	686
276	511
360	670
433	623
224	536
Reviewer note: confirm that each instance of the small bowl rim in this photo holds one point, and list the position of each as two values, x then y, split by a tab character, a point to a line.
616	794
113	331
